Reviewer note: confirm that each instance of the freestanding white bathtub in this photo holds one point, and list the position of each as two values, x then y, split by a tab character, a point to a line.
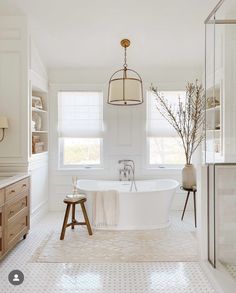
147	208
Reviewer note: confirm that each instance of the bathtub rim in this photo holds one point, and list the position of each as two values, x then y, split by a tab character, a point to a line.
177	184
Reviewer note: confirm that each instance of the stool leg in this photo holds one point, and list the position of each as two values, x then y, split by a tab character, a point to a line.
86	219
73	216
63	230
185	206
195	212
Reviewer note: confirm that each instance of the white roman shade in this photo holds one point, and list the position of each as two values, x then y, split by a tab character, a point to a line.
80	114
157	125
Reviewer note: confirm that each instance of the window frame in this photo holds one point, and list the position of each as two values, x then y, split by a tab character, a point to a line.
78	166
61	165
158	166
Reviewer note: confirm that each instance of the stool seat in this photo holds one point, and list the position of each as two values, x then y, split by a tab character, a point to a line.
75	196
73	201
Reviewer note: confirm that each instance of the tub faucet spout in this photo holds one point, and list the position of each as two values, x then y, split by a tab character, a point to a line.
127	170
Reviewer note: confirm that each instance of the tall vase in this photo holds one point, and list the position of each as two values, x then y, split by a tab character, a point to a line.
189	176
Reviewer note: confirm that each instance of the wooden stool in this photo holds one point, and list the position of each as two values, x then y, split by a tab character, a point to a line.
193	190
72	202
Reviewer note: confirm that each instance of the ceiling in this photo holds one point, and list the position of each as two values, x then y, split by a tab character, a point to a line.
86	34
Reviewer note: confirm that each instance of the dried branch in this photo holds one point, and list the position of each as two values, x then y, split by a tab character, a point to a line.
187	118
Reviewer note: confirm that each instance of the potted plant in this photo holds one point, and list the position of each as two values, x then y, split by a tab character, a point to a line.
187	118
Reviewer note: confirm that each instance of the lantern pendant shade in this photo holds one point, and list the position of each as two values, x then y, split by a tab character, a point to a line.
125	86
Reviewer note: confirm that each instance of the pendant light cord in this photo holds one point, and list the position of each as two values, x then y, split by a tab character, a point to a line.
125	59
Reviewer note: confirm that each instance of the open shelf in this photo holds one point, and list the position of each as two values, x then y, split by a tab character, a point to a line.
39	155
213	130
212	109
214	121
39	124
39	110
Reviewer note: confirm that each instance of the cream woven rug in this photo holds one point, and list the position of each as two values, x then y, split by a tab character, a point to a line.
117	247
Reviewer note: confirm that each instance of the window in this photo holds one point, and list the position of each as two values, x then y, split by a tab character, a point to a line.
80	128
164	145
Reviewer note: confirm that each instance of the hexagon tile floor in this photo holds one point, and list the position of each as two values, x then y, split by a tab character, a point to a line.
143	277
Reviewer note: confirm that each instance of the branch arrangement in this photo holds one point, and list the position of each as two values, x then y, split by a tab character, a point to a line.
187	117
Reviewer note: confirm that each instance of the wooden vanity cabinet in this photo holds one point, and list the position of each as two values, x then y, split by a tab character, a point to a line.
14	214
1	222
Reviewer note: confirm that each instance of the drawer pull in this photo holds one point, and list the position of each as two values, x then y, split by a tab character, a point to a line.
12	191
24	185
11	234
11	212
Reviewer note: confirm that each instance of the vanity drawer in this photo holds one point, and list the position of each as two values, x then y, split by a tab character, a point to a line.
2	197
1	222
15	229
16	188
16	206
1	219
1	245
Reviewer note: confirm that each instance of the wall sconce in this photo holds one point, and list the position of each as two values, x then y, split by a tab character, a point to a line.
3	126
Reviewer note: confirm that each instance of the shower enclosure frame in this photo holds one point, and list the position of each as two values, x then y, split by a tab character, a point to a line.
211	167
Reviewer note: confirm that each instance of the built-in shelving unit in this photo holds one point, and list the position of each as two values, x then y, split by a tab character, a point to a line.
214	121
39	121
220	142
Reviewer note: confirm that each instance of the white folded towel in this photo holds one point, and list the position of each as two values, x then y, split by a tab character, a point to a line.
105	208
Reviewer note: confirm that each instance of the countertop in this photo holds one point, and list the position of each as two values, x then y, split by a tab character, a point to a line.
10	178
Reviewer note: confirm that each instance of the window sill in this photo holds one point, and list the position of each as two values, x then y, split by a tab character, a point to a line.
174	167
80	168
165	169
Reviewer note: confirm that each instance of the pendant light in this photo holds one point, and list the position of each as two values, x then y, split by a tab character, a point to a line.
125	85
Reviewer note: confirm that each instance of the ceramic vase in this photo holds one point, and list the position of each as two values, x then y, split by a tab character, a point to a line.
189	176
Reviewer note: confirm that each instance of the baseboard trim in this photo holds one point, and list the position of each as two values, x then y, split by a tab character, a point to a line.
38	212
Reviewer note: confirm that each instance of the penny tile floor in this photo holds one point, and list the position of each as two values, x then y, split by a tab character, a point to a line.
143	277
231	269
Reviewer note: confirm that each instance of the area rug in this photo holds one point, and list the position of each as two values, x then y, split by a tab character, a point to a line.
117	247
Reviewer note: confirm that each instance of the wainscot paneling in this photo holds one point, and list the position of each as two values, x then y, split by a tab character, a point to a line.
14	90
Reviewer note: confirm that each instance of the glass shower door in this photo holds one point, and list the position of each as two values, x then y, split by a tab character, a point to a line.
220	142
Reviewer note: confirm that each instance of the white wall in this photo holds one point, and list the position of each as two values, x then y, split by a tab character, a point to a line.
14	92
125	128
